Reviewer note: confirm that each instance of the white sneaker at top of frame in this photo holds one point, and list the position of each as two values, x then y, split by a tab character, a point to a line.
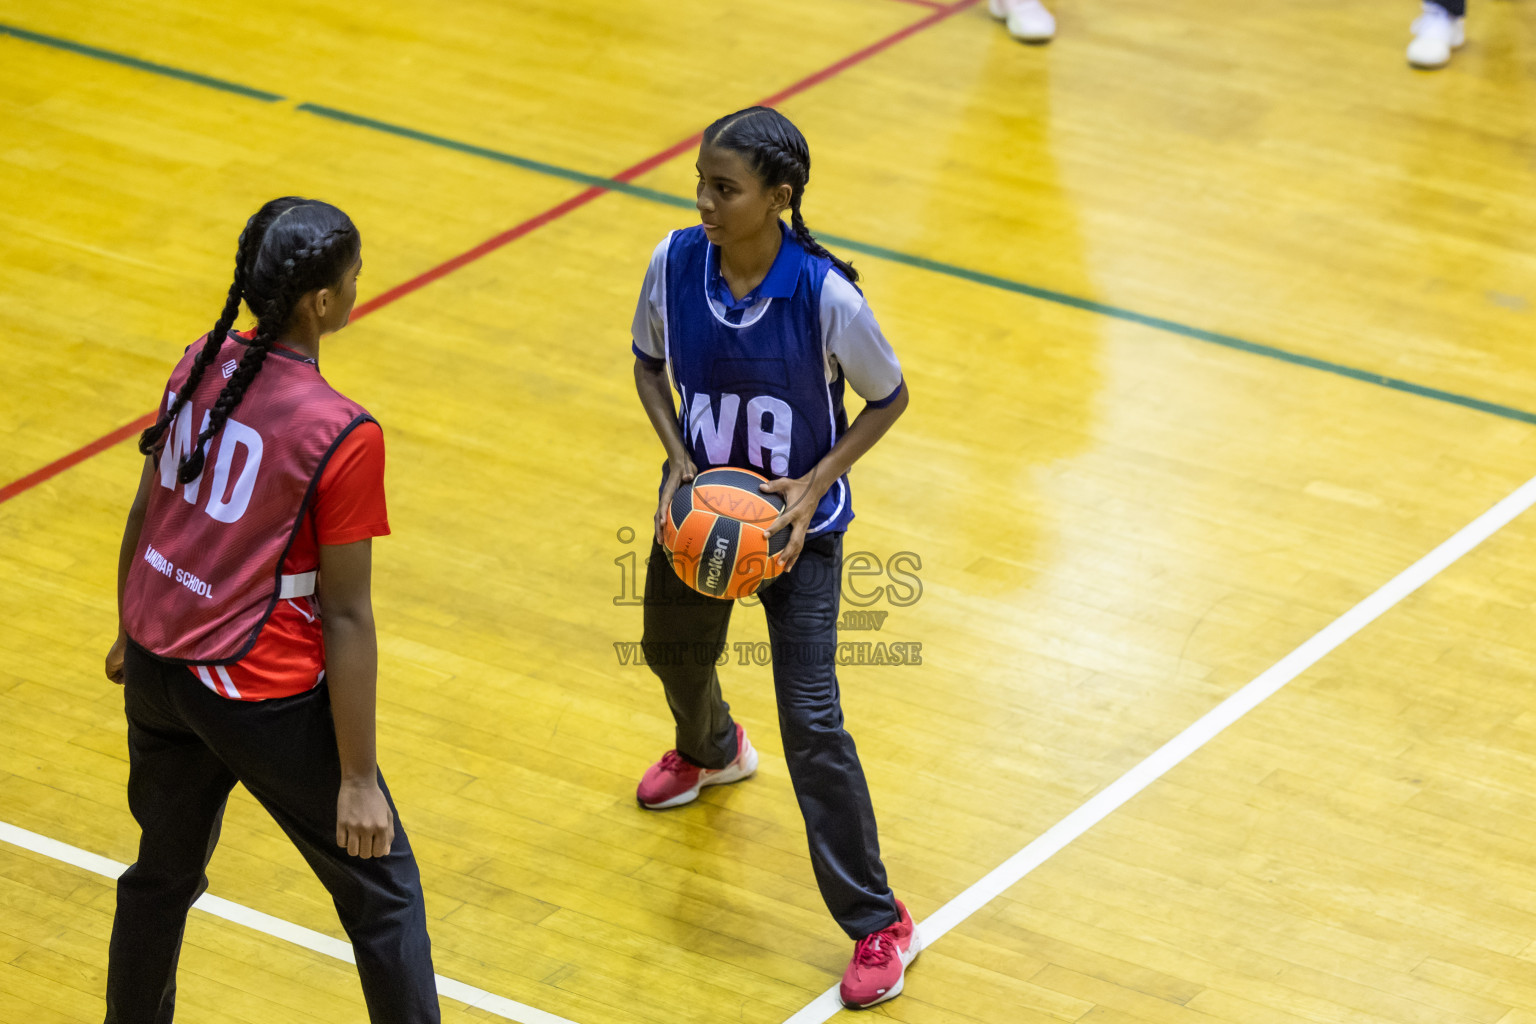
1028	20
1435	34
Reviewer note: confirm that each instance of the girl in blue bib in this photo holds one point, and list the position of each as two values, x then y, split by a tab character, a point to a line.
760	331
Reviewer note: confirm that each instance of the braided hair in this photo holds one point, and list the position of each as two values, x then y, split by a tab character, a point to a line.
290	247
777	154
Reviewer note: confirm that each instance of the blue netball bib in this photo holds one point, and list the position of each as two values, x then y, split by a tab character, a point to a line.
752	373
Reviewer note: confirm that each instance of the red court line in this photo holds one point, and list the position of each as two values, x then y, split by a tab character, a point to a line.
74	458
650	163
490	245
868	51
495	242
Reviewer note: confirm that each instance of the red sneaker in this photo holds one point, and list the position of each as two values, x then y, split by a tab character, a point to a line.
879	964
672	781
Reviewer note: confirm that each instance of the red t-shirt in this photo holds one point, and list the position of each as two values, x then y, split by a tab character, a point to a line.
289	654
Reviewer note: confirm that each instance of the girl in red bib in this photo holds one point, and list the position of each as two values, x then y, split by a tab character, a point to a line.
262	488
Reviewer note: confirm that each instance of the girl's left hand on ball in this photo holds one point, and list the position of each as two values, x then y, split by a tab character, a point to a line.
799	507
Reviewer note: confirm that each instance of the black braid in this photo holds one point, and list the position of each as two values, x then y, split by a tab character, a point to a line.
250	239
301	271
777	154
809	244
229	398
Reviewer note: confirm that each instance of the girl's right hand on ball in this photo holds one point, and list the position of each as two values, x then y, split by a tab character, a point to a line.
679	471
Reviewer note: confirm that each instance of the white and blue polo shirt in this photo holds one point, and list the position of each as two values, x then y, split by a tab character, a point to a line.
760	380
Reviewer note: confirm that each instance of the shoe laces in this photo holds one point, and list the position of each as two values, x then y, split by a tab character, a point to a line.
873	951
673	763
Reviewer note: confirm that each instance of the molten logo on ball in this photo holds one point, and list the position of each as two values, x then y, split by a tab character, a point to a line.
717	563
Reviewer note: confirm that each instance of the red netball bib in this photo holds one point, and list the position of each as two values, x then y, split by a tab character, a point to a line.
207	570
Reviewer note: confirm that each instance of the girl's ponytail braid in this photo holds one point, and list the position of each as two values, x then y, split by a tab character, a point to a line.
295	276
250	239
778	154
808	242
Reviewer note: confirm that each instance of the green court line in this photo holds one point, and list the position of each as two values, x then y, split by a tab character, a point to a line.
879	252
536	166
140	65
1174	327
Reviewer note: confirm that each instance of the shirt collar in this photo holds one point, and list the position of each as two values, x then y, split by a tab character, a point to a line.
245	338
780	283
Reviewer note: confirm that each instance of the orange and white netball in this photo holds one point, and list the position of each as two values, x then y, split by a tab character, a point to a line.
715	533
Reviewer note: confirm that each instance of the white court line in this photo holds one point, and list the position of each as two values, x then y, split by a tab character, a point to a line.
1196	736
1004	875
274	926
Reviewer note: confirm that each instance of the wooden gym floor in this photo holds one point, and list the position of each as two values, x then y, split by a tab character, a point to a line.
1216	318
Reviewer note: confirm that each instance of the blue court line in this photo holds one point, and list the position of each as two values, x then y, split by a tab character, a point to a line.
879	252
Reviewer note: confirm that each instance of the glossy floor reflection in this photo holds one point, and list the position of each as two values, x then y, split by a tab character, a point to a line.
1113	525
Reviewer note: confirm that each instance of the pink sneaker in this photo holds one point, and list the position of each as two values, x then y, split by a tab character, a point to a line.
879	964
672	781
